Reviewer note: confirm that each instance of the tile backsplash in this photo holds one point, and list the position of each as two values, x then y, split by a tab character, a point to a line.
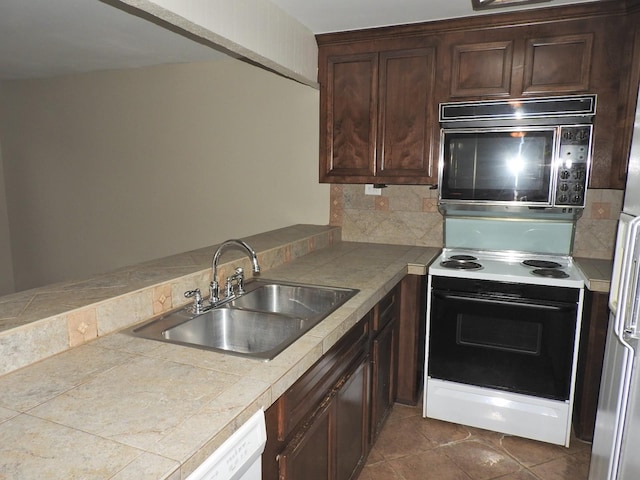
408	215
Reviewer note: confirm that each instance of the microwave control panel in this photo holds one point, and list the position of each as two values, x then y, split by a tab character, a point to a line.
574	152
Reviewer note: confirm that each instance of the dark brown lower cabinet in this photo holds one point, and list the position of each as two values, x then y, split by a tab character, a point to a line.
411	338
308	455
324	425
384	356
352	423
333	444
593	335
319	428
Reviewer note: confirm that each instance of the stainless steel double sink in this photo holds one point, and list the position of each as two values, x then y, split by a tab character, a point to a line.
260	323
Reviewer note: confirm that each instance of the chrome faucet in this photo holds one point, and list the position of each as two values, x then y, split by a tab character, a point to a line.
238	277
196	308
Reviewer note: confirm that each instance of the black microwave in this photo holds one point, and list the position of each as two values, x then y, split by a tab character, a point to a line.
538	156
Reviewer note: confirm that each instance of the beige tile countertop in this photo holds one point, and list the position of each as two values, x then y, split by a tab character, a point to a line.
597	273
125	408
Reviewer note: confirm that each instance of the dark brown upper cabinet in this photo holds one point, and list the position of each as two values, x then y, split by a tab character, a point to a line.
505	63
378	116
380	88
559	64
481	69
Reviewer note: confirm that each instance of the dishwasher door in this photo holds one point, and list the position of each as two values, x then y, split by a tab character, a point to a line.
239	457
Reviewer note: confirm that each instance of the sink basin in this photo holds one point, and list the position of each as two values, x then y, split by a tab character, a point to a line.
301	301
240	331
261	323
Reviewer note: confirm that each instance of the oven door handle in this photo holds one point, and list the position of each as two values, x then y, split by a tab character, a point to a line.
501	301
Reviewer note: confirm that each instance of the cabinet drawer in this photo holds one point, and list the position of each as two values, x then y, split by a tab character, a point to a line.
386	310
304	396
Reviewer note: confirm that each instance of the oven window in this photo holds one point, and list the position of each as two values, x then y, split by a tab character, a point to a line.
521	346
497	165
509	335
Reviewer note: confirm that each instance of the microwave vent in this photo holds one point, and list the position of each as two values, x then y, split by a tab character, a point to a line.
532	111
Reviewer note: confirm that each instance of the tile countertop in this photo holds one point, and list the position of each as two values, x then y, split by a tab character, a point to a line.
597	273
121	407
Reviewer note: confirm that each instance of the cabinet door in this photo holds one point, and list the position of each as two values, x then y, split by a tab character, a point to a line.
557	64
593	335
309	455
411	338
352	423
481	69
348	117
384	359
406	116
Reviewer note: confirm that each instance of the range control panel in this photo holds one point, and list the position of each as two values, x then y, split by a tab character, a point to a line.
573	165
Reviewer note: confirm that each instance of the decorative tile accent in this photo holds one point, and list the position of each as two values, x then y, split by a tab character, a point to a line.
82	326
430	205
162	299
382	204
335	217
288	254
600	211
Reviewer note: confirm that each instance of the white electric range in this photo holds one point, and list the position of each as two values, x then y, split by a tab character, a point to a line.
508	266
504	307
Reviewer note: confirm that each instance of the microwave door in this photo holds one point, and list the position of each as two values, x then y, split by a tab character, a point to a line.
497	166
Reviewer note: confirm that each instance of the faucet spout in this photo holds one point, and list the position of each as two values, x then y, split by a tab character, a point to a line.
214	288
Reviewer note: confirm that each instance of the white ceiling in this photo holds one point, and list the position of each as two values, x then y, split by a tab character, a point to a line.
40	38
323	16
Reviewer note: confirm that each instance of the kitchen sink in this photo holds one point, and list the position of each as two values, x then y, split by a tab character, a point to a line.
262	322
241	331
303	301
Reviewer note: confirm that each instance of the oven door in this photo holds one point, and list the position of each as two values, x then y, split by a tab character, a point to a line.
497	165
498	340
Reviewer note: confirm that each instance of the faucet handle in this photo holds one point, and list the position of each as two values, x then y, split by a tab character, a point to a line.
214	292
197	301
240	279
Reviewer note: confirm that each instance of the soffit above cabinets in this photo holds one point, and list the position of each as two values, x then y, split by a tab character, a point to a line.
44	38
340	15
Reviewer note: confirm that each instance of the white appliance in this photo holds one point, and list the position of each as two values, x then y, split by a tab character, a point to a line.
615	452
239	457
504	306
504	299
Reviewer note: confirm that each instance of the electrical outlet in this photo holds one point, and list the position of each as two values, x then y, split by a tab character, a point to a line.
369	189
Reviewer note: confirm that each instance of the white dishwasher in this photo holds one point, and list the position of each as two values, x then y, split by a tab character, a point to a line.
239	457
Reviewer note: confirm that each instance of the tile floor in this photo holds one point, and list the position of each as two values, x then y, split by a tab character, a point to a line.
411	447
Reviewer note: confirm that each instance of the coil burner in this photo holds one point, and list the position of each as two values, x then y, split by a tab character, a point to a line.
463	258
461	262
550	273
541	264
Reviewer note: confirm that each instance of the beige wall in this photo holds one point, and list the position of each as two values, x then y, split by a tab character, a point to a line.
6	264
109	169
